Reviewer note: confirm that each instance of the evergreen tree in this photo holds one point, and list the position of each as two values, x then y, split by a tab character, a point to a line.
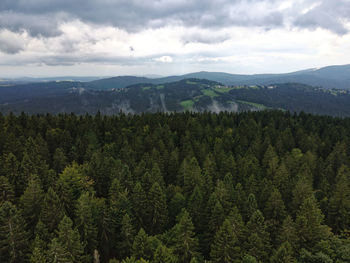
164	255
31	202
139	204
13	237
11	171
157	209
86	222
58	253
185	243
258	242
52	211
59	160
288	233
141	247
284	254
38	256
225	247
6	190
127	236
309	224
339	203
69	240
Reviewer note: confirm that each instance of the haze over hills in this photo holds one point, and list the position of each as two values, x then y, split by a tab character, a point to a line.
332	77
196	95
318	91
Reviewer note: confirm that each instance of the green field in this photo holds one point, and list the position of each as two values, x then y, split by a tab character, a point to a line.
160	87
256	105
209	92
146	88
223	90
191	82
187	104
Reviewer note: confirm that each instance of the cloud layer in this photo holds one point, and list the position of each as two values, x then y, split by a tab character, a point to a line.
137	32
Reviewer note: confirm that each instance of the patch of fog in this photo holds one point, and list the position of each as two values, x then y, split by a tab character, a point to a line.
123	106
80	91
162	99
216	107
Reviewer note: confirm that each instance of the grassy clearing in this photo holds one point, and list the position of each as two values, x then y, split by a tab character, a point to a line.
191	82
197	98
160	87
209	92
146	88
187	104
256	105
223	90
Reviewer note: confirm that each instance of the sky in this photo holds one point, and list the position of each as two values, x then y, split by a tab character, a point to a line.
41	38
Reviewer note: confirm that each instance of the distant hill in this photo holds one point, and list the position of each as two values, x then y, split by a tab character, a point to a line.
333	77
192	94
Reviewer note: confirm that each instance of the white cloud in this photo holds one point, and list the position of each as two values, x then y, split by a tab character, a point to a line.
164	59
239	37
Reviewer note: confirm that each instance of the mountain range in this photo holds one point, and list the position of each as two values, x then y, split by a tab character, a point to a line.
332	77
318	91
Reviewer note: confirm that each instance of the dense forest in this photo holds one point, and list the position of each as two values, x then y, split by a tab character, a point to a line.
196	95
265	186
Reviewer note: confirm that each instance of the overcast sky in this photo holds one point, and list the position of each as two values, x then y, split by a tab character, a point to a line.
165	37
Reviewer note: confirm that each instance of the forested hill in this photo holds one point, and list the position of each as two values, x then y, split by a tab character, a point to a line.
196	95
264	186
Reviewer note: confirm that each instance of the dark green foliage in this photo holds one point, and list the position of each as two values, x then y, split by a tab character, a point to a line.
31	202
52	211
185	242
68	244
6	190
225	247
14	243
250	187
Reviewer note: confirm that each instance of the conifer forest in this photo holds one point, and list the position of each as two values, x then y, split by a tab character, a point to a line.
268	186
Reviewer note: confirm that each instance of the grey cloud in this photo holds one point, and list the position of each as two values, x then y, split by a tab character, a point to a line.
70	60
9	47
205	38
43	16
35	24
329	14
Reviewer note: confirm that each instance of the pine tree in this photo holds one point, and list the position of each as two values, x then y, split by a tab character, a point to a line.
59	160
339	203
86	221
190	176
69	240
13	237
164	255
302	190
309	224
141	247
288	233
185	243
275	212
38	256
58	253
251	205
195	207
225	247
6	190
52	211
127	236
11	171
258	242
284	254
157	208
31	202
139	204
